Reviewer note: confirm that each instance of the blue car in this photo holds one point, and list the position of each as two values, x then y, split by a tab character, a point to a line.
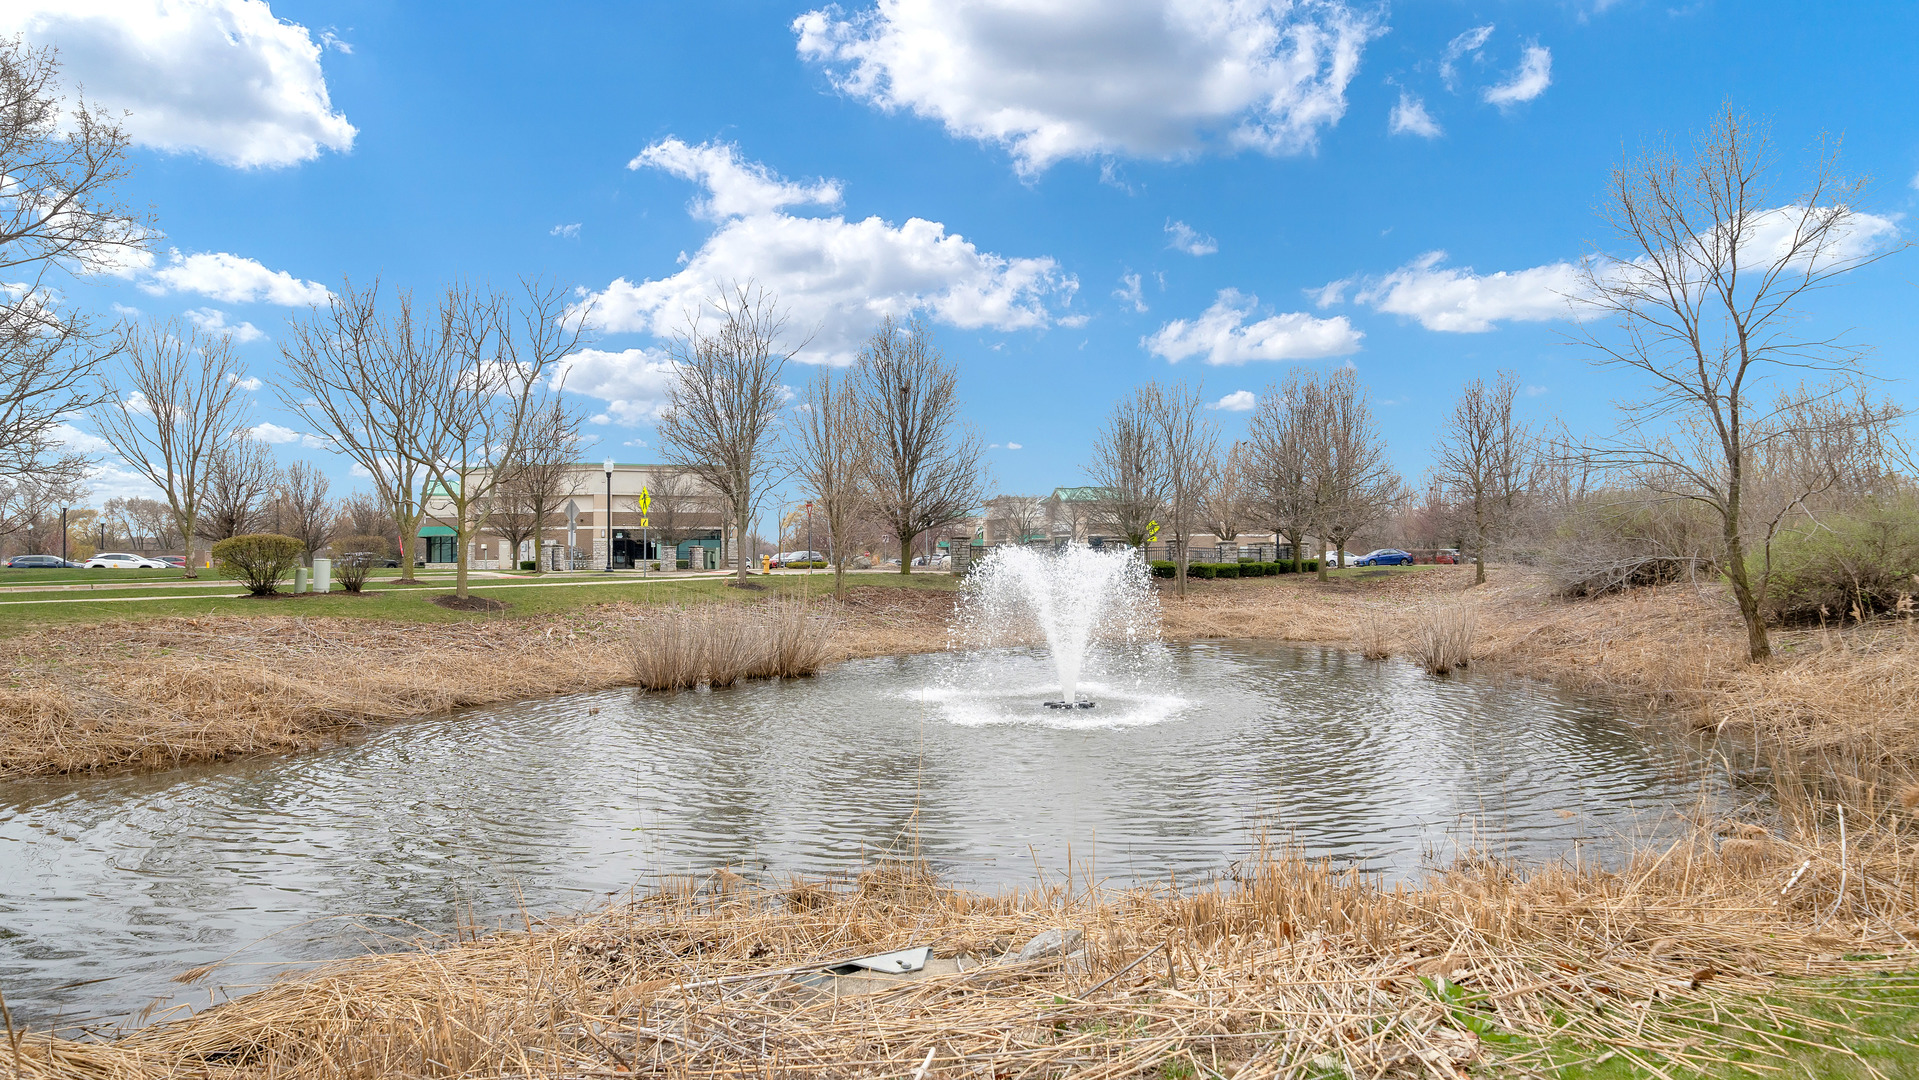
1385	557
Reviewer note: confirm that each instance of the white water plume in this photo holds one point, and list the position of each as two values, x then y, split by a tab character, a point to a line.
1075	599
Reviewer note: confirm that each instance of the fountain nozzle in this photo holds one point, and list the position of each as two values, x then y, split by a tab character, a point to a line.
1076	703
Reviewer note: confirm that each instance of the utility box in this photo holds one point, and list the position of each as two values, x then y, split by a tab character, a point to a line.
322	575
299	579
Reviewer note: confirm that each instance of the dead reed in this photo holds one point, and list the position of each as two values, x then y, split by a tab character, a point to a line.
1443	638
1293	969
719	644
1373	635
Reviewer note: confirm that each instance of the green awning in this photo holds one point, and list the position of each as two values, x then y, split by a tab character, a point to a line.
437	530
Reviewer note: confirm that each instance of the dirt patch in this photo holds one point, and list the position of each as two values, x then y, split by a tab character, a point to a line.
470	603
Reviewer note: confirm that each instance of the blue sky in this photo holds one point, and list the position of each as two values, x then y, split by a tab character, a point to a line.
1079	196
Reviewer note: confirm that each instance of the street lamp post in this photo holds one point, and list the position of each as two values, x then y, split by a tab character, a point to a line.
63	534
809	536
609	515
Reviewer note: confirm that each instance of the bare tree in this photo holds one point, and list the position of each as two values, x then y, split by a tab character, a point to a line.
1358	484
1129	467
922	468
241	478
1227	505
676	514
539	477
724	400
827	460
179	400
364	515
60	170
1189	443
488	398
24	500
1705	301
301	508
1481	459
1024	516
1283	434
366	380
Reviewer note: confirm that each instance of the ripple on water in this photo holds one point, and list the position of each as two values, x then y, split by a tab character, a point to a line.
558	803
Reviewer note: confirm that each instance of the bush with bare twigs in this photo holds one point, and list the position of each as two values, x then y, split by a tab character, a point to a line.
1373	635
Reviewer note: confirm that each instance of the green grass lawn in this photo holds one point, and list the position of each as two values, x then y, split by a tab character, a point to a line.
526	595
1861	1029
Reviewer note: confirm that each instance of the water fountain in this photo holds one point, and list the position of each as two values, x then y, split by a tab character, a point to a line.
1073	598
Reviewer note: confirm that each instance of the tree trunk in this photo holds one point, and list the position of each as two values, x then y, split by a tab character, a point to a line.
537	537
459	558
1479	544
1321	575
739	545
906	553
1758	645
192	571
1179	571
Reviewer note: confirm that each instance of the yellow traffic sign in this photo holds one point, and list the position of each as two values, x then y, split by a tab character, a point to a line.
1152	531
645	502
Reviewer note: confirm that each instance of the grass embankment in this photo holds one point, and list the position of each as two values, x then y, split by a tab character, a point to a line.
1764	945
100	687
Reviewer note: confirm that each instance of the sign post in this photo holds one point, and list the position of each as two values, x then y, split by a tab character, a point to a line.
644	502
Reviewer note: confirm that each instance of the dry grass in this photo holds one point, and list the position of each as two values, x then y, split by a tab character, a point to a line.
1265	976
1443	639
719	644
157	693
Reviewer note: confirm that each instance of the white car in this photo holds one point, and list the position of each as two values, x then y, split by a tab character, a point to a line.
110	560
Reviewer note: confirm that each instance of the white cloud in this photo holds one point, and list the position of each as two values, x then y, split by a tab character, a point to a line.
568	232
275	434
126	312
1189	240
1535	391
250	384
1915	181
1456	300
835	278
1129	292
224	78
1534	75
233	279
1223	336
281	436
633	382
359	471
213	320
1411	118
1237	401
331	40
1468	43
1148	78
735	187
79	439
1014	446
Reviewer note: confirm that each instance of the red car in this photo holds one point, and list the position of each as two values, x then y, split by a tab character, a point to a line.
173	561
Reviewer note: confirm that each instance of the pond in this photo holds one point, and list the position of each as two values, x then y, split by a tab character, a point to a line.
110	887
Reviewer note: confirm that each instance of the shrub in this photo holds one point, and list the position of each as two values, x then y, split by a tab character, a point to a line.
1165	568
1621	541
354	558
1310	566
1858	564
684	564
1267	569
1226	570
1201	570
259	560
529	564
